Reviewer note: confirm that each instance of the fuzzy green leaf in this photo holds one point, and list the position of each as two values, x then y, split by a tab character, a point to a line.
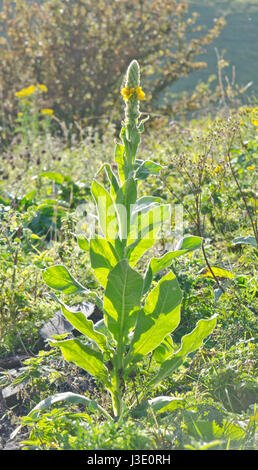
164	350
159	317
85	326
188	243
103	258
189	343
83	356
147	168
59	278
114	186
121	162
162	404
122	299
106	211
125	200
145	230
83	242
249	240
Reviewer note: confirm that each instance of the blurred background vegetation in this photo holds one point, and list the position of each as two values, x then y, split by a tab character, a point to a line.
192	55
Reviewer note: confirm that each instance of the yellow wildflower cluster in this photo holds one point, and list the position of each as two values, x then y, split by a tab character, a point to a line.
217	169
127	93
47	111
254	116
25	92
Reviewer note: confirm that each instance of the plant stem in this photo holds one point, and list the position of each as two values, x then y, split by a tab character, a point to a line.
243	197
210	269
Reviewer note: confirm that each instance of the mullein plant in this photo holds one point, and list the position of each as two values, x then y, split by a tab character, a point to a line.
138	314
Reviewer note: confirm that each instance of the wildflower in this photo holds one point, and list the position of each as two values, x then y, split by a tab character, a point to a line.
26	92
254	116
217	169
132	94
127	93
43	88
140	94
47	111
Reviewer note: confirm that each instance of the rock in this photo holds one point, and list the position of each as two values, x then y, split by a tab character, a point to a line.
13	362
11	394
59	325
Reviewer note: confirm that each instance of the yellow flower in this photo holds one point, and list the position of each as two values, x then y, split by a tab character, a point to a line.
47	111
20	114
127	93
140	93
217	169
26	92
254	116
43	88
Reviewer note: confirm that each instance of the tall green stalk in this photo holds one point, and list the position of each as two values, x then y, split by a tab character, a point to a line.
138	318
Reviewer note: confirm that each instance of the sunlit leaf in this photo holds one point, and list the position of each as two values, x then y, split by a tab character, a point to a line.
59	278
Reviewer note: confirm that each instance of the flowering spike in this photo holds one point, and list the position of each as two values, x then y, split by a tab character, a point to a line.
132	94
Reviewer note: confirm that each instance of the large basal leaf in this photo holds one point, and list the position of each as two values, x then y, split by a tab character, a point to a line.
189	343
106	211
59	278
122	299
103	258
83	356
210	430
159	317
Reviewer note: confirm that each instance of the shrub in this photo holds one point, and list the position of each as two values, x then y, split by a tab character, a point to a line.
80	51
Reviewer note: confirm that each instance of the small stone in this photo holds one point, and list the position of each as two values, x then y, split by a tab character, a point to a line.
11	393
